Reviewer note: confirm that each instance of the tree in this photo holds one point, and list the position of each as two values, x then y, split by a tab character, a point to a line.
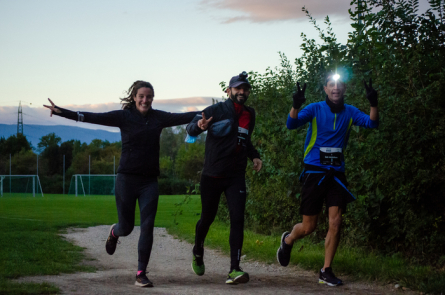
24	162
11	146
14	144
51	157
397	172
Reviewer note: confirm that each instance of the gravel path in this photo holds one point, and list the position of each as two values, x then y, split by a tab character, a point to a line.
171	273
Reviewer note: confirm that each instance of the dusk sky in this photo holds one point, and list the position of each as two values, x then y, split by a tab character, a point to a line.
85	54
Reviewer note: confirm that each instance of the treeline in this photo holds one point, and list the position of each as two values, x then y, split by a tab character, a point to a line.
179	163
398	171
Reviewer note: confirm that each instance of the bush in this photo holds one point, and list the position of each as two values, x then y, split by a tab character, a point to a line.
173	186
397	171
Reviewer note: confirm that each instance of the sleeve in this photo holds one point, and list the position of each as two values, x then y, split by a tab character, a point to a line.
363	120
304	116
192	128
174	119
113	118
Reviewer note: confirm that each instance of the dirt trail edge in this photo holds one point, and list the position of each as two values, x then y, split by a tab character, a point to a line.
170	271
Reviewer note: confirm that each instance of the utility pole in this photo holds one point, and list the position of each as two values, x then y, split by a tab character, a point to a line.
20	120
63	174
10	175
114	173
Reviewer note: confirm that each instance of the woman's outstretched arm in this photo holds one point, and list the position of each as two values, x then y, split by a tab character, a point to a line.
174	119
113	118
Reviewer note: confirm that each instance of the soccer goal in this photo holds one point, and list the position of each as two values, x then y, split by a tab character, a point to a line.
92	184
20	185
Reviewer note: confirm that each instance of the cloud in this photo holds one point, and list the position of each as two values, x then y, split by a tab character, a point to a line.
40	115
259	11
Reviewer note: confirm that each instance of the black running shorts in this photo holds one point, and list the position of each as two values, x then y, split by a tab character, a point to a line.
313	195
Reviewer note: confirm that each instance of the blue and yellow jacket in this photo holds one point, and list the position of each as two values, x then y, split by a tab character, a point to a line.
328	129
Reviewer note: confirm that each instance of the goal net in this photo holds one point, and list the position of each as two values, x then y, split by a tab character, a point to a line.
20	185
92	184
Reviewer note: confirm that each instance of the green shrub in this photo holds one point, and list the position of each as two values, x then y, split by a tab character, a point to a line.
173	186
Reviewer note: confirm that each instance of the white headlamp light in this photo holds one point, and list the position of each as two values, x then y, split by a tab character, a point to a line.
336	77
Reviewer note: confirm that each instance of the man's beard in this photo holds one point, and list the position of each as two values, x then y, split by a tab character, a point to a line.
234	98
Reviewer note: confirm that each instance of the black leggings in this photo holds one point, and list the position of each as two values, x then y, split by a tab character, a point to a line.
145	190
235	191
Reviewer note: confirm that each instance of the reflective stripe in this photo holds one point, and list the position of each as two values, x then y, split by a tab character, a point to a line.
347	133
335	119
243	130
313	137
321	180
80	117
341	183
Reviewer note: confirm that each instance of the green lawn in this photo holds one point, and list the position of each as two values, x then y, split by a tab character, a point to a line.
30	245
29	242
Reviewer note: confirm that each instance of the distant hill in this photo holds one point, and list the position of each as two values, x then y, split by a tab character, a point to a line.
34	132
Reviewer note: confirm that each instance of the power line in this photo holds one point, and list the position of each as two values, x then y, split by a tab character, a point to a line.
15	101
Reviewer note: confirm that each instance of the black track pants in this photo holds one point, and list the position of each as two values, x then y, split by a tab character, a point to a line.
235	191
145	190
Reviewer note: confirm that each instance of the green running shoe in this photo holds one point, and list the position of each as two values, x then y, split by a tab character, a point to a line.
237	276
198	264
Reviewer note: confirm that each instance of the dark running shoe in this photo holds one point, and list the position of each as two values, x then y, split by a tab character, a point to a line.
283	253
110	245
328	277
237	276
198	264
143	281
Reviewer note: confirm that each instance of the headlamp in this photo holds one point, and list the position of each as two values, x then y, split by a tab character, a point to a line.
243	75
336	77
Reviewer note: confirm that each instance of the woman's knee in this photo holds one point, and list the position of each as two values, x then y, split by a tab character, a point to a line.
125	230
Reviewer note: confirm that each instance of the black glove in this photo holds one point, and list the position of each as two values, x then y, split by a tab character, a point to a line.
371	94
298	96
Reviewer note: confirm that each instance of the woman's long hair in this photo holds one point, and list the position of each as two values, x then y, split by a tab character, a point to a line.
128	102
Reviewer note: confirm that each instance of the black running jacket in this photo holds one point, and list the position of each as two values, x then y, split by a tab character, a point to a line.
221	157
140	134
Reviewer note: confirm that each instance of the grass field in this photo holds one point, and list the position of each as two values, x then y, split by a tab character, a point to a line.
29	226
30	244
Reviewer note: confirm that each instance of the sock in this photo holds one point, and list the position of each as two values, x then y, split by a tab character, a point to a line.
285	239
112	232
140	271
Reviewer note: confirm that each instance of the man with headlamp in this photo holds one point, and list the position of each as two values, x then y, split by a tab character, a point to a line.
323	178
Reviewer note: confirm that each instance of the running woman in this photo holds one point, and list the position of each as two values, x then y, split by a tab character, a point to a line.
323	177
228	145
140	127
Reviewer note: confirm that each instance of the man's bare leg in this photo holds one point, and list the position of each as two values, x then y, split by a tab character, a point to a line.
302	229
333	236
